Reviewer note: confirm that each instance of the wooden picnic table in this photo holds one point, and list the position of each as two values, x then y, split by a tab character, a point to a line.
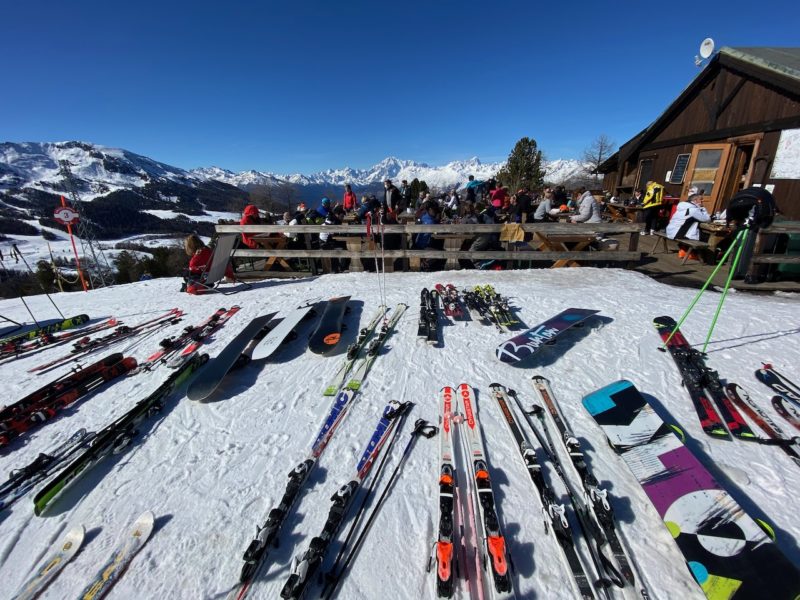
273	243
562	243
453	241
717	233
620	213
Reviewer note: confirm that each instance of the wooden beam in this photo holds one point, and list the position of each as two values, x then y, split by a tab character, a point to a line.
530	255
443	228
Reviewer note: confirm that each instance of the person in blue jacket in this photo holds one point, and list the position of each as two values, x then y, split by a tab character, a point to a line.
429	216
324	207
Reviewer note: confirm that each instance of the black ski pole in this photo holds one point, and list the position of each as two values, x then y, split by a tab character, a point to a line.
421	427
39	282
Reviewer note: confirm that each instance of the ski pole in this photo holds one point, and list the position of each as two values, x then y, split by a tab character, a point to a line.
421	427
37	280
727	287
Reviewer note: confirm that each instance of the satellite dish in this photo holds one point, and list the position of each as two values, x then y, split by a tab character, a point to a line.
706	48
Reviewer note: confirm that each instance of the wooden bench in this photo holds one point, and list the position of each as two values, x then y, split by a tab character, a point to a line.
664	240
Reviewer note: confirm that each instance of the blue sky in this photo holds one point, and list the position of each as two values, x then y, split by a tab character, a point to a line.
304	86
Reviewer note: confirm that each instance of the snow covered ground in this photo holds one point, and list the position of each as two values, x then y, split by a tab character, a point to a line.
210	472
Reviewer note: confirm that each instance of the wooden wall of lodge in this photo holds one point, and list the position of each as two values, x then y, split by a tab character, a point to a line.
747	107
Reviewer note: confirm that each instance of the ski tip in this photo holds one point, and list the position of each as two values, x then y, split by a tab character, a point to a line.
75	536
145	521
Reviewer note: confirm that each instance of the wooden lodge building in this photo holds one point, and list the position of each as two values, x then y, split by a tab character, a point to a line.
736	125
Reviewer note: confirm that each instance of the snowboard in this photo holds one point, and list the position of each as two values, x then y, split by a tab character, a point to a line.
728	552
120	558
326	337
216	369
279	333
529	342
52	565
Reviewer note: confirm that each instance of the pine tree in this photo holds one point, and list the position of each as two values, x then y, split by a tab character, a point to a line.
524	167
414	189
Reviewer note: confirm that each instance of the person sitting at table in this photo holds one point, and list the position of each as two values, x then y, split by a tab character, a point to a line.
484	240
349	201
543	211
469	215
326	241
685	221
636	200
250	216
499	197
429	216
524	204
588	209
651	205
452	203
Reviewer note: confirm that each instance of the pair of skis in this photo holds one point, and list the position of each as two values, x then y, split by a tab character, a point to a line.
115	437
22	481
429	316
50	340
787	402
41	330
593	507
255	557
450	300
46	402
703	385
497	305
306	566
86	346
492	572
107	575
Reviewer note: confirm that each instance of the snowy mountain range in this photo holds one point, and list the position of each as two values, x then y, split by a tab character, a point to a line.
127	193
101	170
453	174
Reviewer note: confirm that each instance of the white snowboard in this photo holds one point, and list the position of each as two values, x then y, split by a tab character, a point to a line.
275	338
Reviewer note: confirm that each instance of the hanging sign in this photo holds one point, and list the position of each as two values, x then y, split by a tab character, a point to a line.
65	215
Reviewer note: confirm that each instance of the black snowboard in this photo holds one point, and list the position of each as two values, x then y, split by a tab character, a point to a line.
216	369
329	331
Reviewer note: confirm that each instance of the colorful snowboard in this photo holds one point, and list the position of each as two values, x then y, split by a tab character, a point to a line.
529	342
329	331
727	552
52	565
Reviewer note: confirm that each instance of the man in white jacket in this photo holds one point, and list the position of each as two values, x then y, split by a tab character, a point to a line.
684	223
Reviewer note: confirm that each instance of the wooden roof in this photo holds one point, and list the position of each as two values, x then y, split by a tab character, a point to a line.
778	67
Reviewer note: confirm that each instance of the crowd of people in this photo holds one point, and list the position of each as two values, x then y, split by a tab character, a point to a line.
477	202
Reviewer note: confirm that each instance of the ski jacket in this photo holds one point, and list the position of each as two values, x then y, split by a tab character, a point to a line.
391	197
684	223
249	217
499	196
654	195
349	202
424	239
543	210
200	262
588	209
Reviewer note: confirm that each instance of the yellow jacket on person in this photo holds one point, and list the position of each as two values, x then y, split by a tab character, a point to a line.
654	195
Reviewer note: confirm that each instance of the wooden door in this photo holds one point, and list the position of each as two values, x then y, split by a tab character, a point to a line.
706	171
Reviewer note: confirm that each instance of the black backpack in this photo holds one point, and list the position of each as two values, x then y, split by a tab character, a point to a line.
754	206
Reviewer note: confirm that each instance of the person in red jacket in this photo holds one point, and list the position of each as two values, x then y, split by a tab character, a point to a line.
250	216
350	201
499	196
200	257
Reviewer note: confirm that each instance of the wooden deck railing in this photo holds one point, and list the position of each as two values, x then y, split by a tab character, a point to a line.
551	239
